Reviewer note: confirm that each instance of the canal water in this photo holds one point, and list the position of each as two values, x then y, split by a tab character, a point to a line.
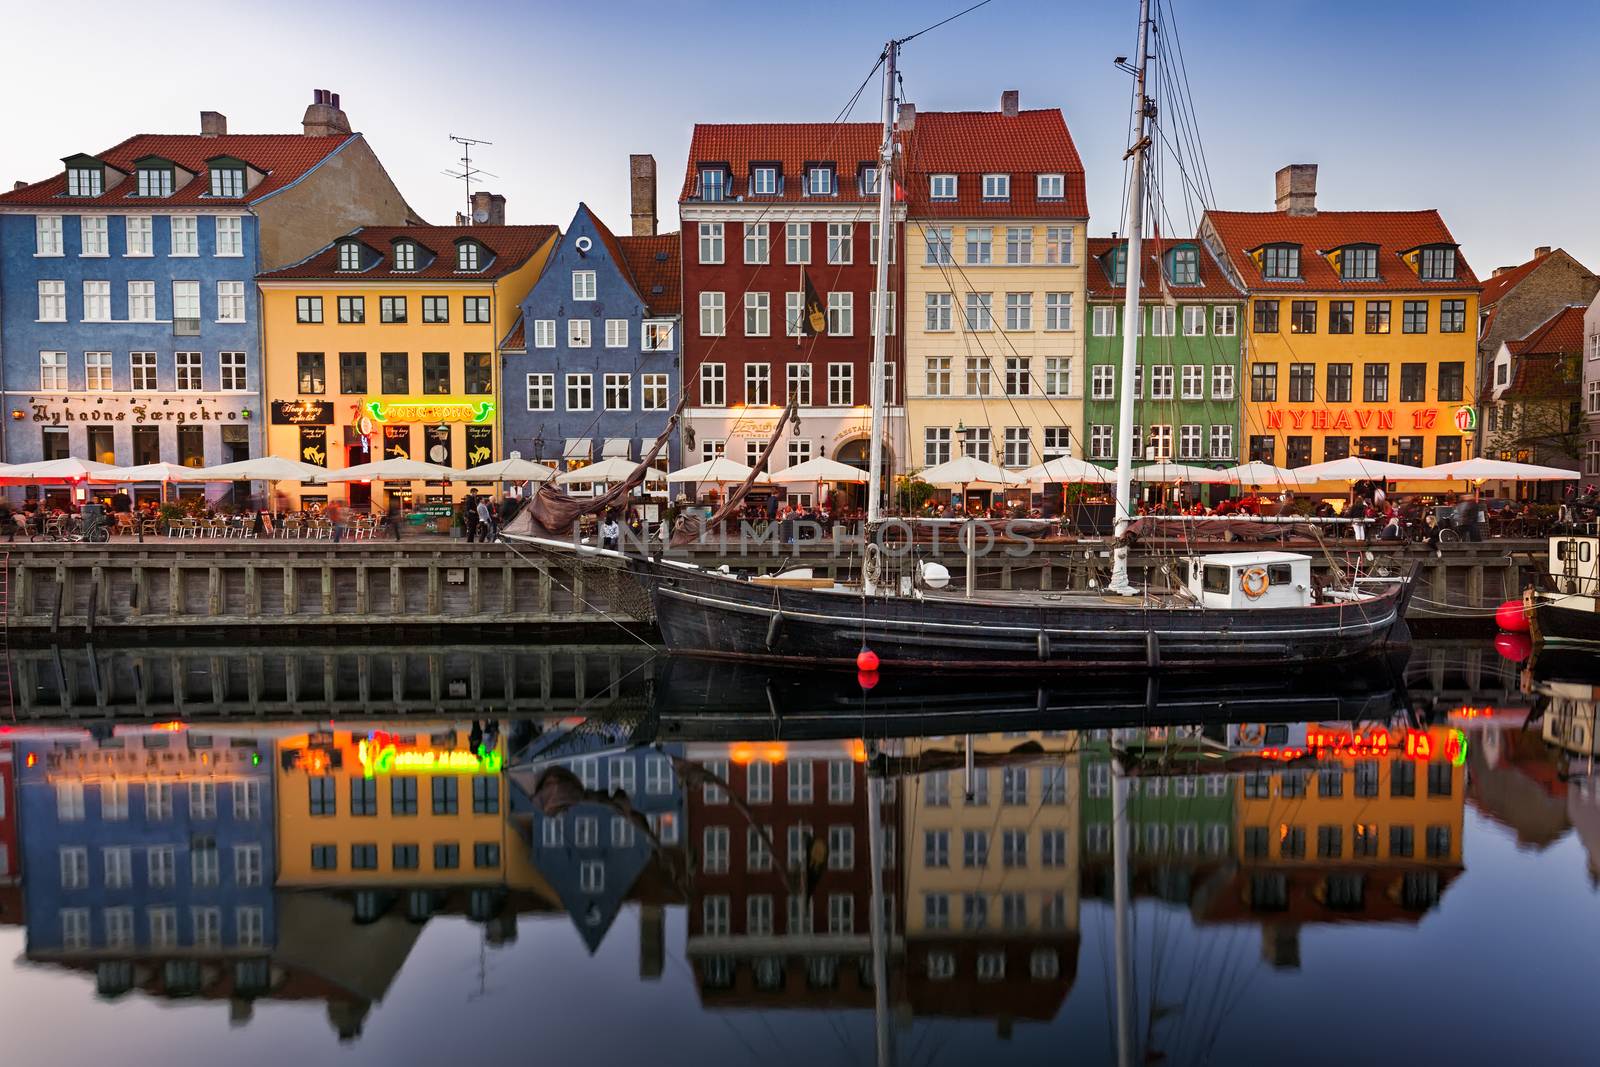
472	853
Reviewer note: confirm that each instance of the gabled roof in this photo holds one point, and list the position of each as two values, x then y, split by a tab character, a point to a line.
1560	334
791	145
1394	232
506	249
283	157
1213	282
653	263
972	143
1501	284
1547	364
516	340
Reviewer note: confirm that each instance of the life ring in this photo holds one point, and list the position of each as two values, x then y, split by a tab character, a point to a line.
1254	582
1252	733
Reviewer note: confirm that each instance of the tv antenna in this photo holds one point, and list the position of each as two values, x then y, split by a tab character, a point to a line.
467	172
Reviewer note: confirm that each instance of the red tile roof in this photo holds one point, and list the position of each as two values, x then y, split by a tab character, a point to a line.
1548	360
789	144
283	157
1560	334
1394	232
507	248
516	340
1213	282
653	262
1501	284
970	144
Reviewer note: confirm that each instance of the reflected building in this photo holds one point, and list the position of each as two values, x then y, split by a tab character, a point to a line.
149	854
992	875
779	913
10	852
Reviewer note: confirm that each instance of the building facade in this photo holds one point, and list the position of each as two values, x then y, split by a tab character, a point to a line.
1591	389
778	229
129	318
1359	336
995	285
591	367
384	342
1187	403
1534	411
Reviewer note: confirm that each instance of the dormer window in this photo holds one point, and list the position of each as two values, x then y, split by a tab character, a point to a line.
941	187
1280	261
155	181
1183	266
764	181
1437	264
713	183
467	255
869	181
1359	263
819	180
1052	186
405	255
85	181
349	255
1117	265
997	187
227	182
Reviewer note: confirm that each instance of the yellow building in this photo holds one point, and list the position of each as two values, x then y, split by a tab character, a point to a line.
995	289
385	344
1360	331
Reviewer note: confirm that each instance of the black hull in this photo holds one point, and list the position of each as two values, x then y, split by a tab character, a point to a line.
1554	625
713	615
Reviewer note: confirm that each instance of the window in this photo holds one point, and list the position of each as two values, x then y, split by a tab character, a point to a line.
1189	438
185	235
474	309
1014	848
446	796
189	373
869	181
74	868
935	445
1019	446
711	251
840	384
1105	321
1103	382
1266	316
1019	311
1414	318
799	381
1437	264
841	314
1263	448
1452	382
819	181
1057	311
713	183
1194	321
840	244
1185	266
1221	441
1438	841
233	371
939	244
1224	321
1163	320
841	913
1452	316
92	235
1280	261
841	848
1019	244
1193	382
1051	186
1018	376
713	385
352	309
308	309
469	254
1058	376
1341	316
713	314
1058	245
938	312
1377	316
997	186
580	392
1375	383
1302	316
975	443
979	312
757	242
1340	378
578	335
941	187
657	337
485	794
763	181
980	244
1264	383
1161	379
96	301
1401	841
230	235
1160	442
47	235
230	302
841	782
888	327
757	314
1302	383
437	309
618	394
974	848
758	384
186	309
1413	383
53	301
797	242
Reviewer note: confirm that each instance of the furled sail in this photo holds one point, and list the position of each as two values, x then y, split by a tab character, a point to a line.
689	527
551	512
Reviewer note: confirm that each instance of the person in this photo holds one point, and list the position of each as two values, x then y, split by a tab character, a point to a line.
1467	517
392	515
469	516
335	513
610	532
485	520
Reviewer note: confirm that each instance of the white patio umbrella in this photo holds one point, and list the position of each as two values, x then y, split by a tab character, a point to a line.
1487	470
70	469
261	469
965	471
397	469
615	469
720	470
1179	472
150	472
1257	473
820	469
1356	469
1068	469
513	469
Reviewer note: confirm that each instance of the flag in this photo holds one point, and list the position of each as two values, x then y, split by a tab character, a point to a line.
813	320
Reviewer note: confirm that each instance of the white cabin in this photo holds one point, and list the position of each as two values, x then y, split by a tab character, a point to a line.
1575	572
1251	580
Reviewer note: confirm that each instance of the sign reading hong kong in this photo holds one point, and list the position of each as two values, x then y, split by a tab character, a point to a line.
431	410
1351	419
130	408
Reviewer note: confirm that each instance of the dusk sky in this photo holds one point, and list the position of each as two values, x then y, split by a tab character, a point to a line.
1484	111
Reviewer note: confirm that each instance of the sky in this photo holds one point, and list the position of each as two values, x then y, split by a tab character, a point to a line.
1482	111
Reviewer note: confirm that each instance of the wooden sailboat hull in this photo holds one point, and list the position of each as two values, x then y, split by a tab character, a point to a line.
707	614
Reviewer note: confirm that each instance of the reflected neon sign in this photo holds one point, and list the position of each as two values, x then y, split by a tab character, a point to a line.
1377	743
379	754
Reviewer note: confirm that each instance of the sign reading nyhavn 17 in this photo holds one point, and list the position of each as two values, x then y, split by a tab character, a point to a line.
122	407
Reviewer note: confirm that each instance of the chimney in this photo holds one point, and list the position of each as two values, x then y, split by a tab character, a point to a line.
323	118
18	185
213	124
1008	103
1542	250
642	194
1501	270
908	117
488	209
1297	189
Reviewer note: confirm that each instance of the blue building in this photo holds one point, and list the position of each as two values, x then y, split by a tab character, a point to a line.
591	370
152	847
130	324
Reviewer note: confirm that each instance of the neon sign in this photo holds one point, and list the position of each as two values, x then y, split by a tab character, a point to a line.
1377	743
379	754
432	411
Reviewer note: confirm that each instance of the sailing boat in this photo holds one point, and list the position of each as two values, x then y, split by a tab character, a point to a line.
1227	609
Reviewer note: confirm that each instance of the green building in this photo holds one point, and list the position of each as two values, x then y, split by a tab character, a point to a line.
1187	407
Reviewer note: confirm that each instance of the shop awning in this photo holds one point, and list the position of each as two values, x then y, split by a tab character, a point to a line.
578	448
616	447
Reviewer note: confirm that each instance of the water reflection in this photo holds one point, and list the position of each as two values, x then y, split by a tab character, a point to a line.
173	826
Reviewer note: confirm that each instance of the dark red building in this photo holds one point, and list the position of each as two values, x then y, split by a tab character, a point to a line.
770	211
10	854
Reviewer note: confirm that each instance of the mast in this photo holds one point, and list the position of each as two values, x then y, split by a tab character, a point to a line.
885	245
1133	265
1119	901
876	921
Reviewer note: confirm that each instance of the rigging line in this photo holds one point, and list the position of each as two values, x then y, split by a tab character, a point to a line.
1183	69
579	598
942	22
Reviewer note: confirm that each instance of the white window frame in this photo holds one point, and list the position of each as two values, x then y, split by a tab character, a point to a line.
841	385
713	385
841	314
47	236
583	285
1058	312
1051	187
579	333
757	314
713	246
52	372
186	227
997	187
797	242
979	241
938	246
94	239
1192	384
1058	376
617	391
97	373
229	236
797	380
1162	379
1103	382
654	389
1194	320
142	372
1163	320
579	386
841	243
1019	312
1191	441
616	333
939	313
757	242
979	312
872	315
541	391
144	227
1224	320
230	302
96	300
942	187
1223	386
1221	444
713	314
544	333
656	336
52	300
757	385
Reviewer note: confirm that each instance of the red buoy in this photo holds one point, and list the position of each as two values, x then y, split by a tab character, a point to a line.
1514	647
1511	617
867	679
866	659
